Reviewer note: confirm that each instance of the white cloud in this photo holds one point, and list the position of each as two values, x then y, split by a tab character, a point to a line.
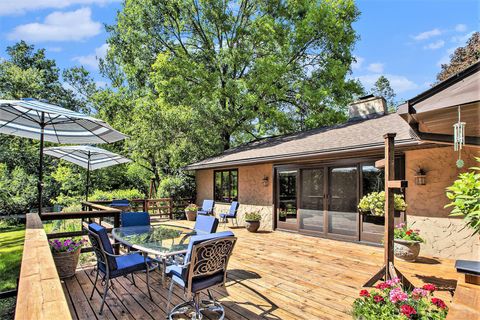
358	64
446	57
434	45
461	27
461	39
91	60
399	83
8	7
427	34
59	26
376	67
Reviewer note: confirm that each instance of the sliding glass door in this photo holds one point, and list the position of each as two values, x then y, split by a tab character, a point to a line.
287	199
342	201
312	199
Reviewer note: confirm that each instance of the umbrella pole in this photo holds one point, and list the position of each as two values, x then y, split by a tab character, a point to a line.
88	177
40	166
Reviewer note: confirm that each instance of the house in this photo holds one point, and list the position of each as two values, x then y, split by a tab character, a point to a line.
311	182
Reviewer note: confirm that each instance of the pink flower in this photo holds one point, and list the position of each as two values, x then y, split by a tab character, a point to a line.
429	287
418	293
407	310
382	286
397	295
439	303
364	293
378	298
393	282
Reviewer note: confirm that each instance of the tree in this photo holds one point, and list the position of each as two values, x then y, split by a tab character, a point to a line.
382	88
240	67
461	58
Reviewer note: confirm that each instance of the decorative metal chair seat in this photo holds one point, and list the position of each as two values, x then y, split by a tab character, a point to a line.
204	267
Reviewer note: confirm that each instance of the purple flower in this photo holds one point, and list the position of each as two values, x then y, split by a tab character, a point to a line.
397	295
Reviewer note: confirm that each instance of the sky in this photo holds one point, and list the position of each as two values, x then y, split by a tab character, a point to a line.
406	41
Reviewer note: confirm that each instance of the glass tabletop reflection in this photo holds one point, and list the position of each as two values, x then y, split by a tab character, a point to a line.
160	240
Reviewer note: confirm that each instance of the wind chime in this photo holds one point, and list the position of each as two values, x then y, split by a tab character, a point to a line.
459	139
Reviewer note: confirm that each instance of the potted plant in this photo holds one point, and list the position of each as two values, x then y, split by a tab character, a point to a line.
191	212
406	242
464	195
252	221
374	203
65	254
390	301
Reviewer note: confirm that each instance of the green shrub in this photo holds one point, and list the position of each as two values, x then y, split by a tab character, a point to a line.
116	194
176	187
464	194
374	203
252	217
18	190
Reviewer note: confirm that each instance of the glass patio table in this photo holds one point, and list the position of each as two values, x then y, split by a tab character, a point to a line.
163	241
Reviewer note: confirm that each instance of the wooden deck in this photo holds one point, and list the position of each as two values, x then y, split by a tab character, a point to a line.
272	275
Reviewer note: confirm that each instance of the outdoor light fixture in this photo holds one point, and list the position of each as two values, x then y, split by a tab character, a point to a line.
265	180
421	177
459	139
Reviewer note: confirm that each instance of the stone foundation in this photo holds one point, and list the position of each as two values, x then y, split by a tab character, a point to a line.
265	211
446	238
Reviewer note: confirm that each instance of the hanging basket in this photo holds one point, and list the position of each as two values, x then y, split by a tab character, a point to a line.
66	263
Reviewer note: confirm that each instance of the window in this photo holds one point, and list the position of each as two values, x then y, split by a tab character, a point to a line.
226	185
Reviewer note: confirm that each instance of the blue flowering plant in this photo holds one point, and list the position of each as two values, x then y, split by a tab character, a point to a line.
66	245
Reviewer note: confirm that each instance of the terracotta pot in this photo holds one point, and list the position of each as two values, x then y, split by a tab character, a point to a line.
406	249
66	263
252	226
191	215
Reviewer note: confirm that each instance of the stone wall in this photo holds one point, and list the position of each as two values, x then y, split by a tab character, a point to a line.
445	236
253	194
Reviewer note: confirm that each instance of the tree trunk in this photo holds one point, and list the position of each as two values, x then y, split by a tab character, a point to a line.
226	140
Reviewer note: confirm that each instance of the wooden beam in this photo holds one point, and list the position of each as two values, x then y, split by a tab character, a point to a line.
380	164
397	184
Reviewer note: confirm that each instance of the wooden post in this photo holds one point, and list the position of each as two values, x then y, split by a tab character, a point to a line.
388	271
170	208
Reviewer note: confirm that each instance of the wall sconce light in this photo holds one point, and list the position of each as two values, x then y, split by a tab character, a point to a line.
421	177
265	181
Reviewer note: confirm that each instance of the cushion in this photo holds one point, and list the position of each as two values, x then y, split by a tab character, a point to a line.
199	284
127	264
107	246
132	219
207	224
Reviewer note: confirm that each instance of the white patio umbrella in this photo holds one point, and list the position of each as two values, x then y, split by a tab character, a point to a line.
39	120
87	157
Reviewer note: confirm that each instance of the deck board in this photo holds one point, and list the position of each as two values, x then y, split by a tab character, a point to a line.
272	275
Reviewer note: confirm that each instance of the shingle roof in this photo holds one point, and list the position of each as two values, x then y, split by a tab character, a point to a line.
348	137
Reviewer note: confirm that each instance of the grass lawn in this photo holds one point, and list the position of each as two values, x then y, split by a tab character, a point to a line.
11	248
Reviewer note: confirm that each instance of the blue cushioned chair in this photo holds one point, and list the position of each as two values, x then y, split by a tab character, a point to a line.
232	214
204	267
133	219
121	204
206	224
113	266
207	207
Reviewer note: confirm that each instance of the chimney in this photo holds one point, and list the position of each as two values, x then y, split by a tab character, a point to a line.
367	106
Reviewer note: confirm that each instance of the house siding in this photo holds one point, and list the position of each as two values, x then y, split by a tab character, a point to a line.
445	236
253	195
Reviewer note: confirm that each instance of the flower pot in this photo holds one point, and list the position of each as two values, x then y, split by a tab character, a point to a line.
191	215
252	226
406	250
66	263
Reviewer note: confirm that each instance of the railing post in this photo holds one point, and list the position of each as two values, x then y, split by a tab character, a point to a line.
116	224
170	207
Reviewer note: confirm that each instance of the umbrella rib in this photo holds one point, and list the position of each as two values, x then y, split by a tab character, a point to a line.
24	114
17	116
56	133
92	131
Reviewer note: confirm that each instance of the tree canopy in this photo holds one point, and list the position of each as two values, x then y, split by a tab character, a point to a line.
382	88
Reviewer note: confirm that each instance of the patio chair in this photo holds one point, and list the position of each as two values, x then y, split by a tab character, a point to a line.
232	214
133	219
204	267
112	266
207	208
207	224
121	204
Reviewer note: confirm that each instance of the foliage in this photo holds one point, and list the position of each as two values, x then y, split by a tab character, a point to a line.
116	194
382	88
17	190
10	255
177	187
192	207
390	301
464	194
461	58
404	232
374	203
252	217
72	208
240	68
66	245
62	226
